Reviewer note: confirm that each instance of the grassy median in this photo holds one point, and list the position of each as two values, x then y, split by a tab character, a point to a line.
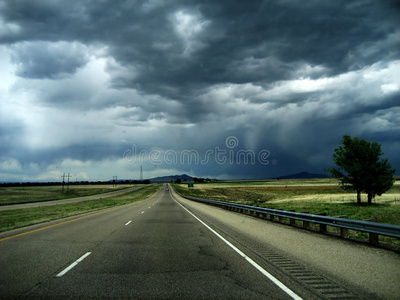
16	218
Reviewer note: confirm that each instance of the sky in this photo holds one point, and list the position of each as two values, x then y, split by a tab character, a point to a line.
219	89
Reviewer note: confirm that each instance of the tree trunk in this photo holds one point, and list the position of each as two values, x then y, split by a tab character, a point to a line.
370	197
358	197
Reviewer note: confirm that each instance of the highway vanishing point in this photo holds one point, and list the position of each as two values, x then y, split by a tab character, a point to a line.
167	247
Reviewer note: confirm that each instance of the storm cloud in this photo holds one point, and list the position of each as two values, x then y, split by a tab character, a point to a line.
101	88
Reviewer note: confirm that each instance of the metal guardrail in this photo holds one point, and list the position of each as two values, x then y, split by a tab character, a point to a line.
372	228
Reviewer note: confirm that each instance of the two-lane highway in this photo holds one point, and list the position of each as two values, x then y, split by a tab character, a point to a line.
170	248
152	249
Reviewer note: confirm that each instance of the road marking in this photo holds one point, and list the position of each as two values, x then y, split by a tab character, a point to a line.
128	222
73	264
252	262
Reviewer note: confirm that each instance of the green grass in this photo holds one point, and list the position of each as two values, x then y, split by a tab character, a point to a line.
34	193
314	196
274	182
249	194
16	218
383	213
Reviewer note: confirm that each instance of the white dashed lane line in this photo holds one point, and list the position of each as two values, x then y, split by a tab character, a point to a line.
63	272
67	269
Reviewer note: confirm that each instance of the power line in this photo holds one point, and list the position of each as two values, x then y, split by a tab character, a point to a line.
63	182
68	177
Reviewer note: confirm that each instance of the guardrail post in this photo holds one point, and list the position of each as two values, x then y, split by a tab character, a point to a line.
306	224
344	232
280	218
271	217
374	238
322	227
292	222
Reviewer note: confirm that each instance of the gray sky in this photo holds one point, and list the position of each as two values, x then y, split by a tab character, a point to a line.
219	89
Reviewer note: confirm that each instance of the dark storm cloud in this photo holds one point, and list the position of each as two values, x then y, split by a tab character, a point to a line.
42	20
48	60
279	75
253	42
236	41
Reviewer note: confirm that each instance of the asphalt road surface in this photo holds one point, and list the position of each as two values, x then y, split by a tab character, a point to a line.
170	248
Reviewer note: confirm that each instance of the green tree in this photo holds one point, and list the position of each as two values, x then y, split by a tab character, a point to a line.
360	168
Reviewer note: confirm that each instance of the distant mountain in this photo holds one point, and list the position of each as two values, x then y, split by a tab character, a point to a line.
162	179
185	177
303	175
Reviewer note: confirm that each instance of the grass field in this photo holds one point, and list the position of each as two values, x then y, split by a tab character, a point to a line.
314	196
34	193
308	195
16	218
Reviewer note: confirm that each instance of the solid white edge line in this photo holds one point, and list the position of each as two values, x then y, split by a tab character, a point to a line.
73	264
127	223
252	262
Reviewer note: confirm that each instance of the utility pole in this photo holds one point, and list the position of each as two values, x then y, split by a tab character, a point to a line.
68	177
141	173
115	181
63	182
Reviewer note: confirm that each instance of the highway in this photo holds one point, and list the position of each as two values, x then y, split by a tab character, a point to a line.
167	247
